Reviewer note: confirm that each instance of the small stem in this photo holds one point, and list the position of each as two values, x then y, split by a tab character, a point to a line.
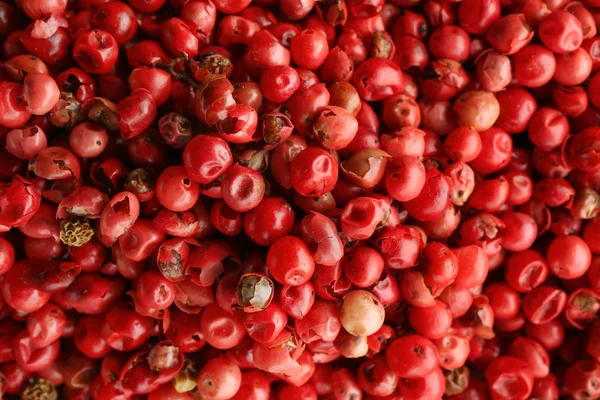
184	77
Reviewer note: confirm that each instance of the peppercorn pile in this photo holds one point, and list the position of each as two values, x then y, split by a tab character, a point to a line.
299	199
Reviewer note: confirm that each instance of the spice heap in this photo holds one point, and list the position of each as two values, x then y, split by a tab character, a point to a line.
299	199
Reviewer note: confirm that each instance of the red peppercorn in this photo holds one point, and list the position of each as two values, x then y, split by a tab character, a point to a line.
405	178
561	32
96	51
335	128
321	323
543	303
463	144
450	41
265	51
290	261
573	68
361	313
88	140
477	109
407	141
517	106
520	383
534	66
509	34
370	76
376	378
363	267
14	112
136	113
433	200
313	172
581	377
568	257
476	16
432	384
571	101
309	49
89	339
431	322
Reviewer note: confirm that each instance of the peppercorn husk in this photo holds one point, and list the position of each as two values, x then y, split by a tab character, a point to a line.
185	381
39	389
67	112
457	380
254	291
75	232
